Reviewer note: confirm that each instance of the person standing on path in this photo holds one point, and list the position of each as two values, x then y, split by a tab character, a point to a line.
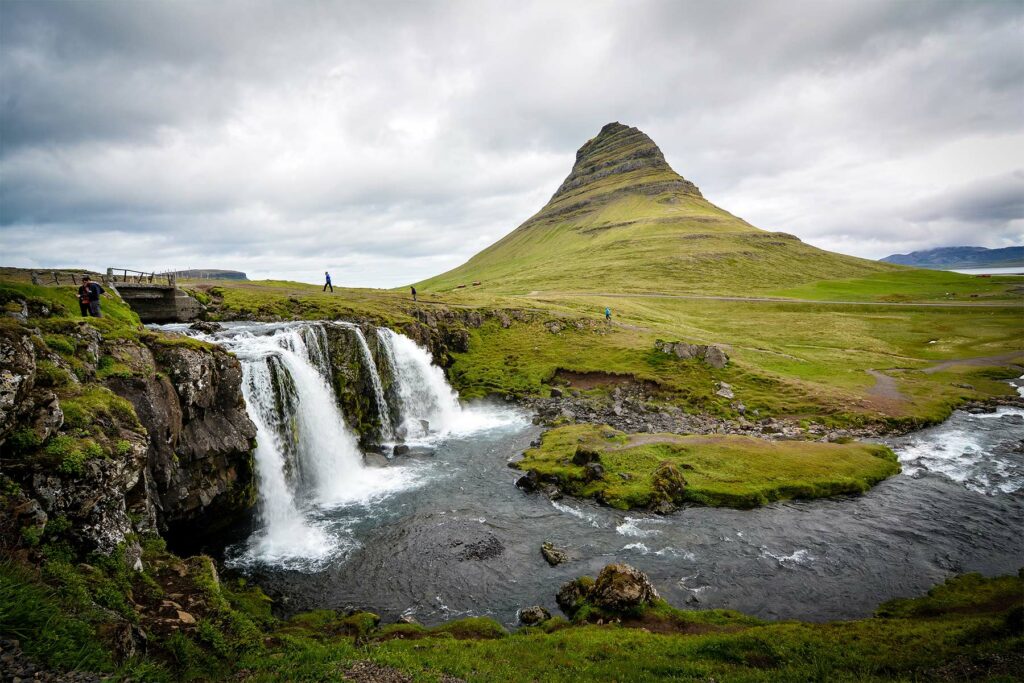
327	277
413	293
89	297
608	315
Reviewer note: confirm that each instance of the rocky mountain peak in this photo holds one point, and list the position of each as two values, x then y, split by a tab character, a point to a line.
618	150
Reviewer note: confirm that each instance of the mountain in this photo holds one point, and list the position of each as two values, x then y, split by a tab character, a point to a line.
961	257
624	221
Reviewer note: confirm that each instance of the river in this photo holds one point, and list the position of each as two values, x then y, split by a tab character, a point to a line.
443	532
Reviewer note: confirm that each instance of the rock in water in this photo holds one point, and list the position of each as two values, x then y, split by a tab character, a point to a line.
400	449
573	594
533	615
553	555
529	482
622	587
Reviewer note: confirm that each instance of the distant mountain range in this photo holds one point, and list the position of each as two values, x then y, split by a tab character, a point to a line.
961	257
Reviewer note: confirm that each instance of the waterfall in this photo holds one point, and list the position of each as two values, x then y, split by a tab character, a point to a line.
386	429
422	392
307	459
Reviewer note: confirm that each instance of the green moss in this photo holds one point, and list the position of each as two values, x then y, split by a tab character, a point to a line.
726	470
23	441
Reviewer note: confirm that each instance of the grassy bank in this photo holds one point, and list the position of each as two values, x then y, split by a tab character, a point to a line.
641	470
969	624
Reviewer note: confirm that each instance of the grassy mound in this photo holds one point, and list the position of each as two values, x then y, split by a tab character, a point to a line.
720	470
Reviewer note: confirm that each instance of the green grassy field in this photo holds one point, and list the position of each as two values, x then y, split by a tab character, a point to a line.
720	470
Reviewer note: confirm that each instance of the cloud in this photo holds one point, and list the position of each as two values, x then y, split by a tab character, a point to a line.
391	141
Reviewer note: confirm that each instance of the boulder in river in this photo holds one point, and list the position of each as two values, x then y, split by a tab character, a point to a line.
400	449
621	587
529	482
533	615
553	555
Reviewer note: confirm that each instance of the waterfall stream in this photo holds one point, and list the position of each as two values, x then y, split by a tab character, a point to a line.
308	459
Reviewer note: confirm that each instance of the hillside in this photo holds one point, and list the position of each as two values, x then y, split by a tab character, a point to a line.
961	257
624	221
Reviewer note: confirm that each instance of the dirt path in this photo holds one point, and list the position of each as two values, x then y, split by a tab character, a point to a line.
885	389
781	300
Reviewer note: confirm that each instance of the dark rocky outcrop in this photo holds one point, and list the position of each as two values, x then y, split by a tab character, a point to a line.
619	590
531	616
175	457
200	470
621	587
352	379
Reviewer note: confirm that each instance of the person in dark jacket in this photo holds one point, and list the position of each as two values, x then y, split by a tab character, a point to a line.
413	293
327	277
89	297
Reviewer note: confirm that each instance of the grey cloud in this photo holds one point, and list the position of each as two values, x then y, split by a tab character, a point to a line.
399	138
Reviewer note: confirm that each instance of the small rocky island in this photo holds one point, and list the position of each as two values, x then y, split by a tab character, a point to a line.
660	472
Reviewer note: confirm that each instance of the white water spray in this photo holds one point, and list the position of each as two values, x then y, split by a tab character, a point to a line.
386	430
423	393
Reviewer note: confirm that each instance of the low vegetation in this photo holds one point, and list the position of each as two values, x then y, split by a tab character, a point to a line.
643	470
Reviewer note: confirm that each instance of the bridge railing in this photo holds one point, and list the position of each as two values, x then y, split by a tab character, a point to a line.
56	277
129	276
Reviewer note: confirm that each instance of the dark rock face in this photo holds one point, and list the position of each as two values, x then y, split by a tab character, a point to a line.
618	150
353	382
533	615
200	467
529	482
585	456
178	458
620	587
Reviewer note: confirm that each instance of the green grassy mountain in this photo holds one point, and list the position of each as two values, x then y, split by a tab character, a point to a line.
624	221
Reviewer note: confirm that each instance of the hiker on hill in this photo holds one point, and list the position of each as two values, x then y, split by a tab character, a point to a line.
327	277
608	315
89	297
413	293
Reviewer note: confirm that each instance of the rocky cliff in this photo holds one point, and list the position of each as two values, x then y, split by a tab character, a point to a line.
116	431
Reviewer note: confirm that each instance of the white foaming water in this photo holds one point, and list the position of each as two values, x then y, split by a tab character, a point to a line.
971	449
423	396
423	392
306	457
797	557
592	519
631	527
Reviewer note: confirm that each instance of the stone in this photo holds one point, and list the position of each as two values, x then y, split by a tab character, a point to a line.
533	615
725	391
584	456
206	327
573	594
400	449
529	482
668	482
593	471
621	587
407	619
710	354
552	492
185	617
556	392
553	555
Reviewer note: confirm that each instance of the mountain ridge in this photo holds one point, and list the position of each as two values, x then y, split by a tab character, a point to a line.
624	221
960	257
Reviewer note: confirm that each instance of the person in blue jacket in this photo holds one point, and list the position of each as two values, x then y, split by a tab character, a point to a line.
327	284
607	314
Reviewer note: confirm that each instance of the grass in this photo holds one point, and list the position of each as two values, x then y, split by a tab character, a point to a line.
719	470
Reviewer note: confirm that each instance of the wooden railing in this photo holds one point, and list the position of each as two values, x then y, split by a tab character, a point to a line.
126	275
56	277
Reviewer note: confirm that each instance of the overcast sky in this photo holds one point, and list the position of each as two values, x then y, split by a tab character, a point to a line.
389	141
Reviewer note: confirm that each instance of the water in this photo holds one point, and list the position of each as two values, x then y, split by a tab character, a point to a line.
1017	270
445	533
467	542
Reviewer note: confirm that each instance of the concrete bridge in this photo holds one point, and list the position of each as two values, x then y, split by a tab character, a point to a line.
155	297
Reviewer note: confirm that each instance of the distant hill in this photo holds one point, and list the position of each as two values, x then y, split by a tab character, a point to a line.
624	221
961	257
211	274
